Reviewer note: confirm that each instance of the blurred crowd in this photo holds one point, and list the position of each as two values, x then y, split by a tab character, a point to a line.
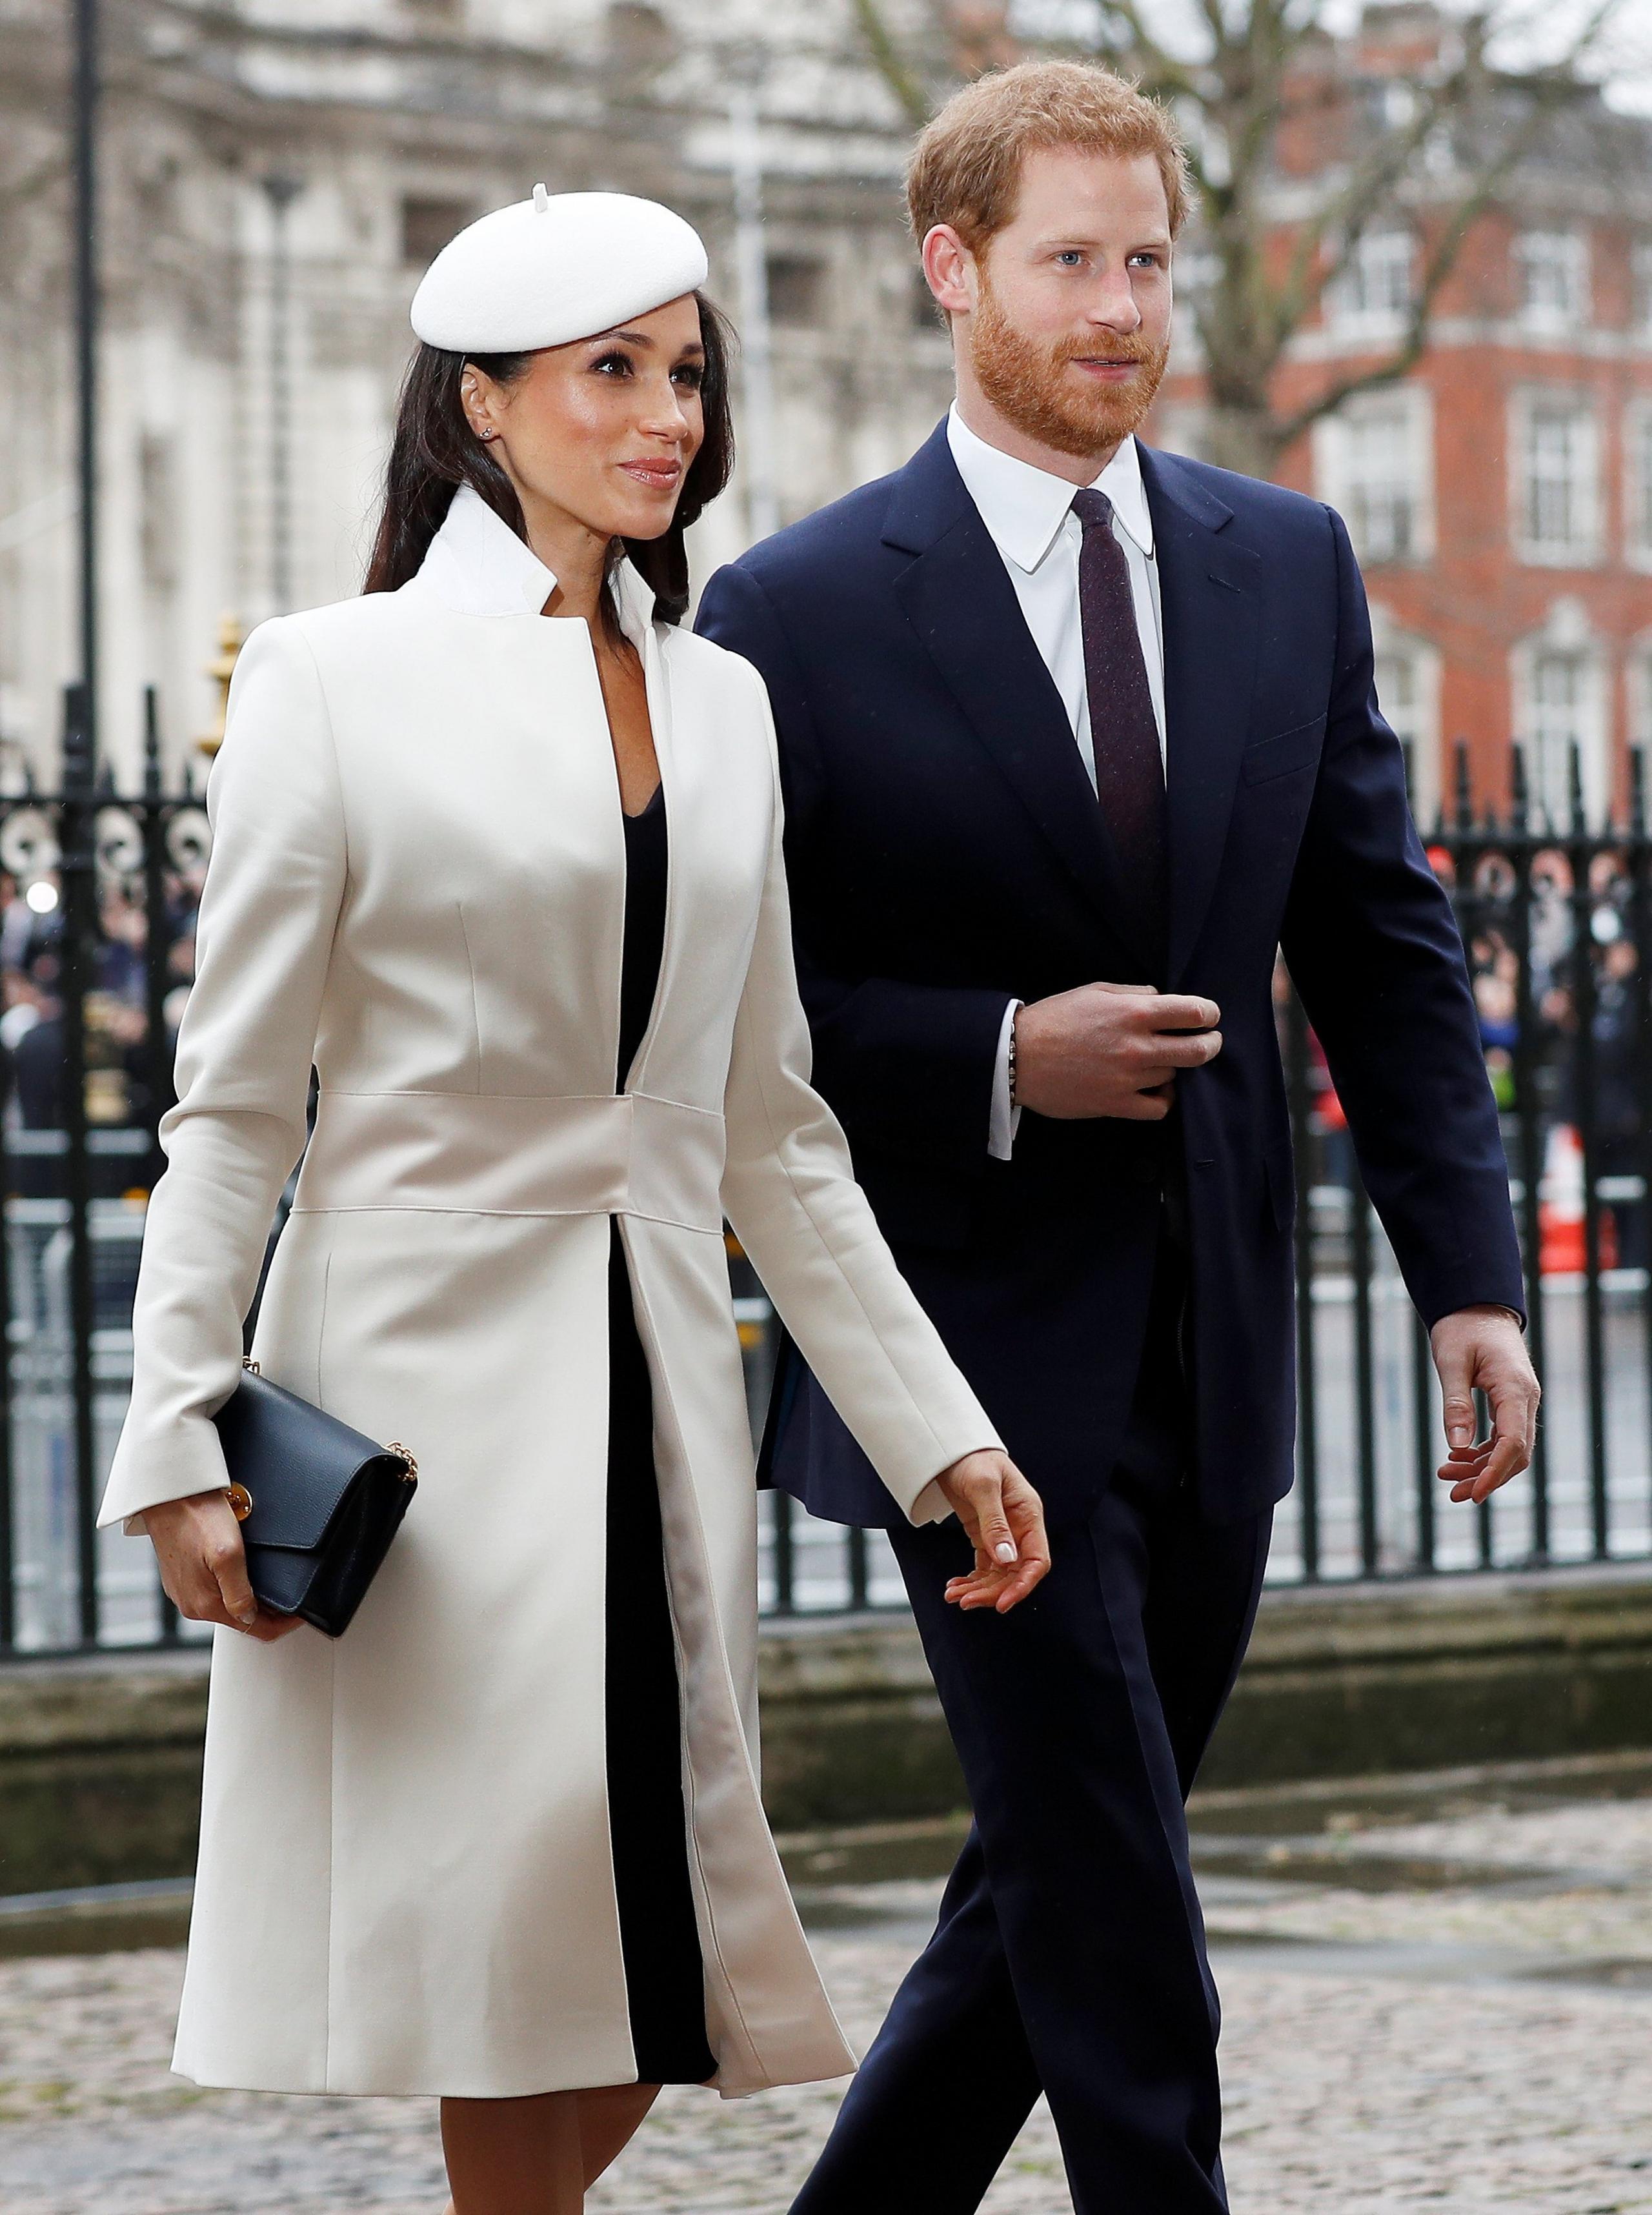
127	1083
1580	944
1581	947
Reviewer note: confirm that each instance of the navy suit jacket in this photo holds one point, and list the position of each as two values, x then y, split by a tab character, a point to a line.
946	854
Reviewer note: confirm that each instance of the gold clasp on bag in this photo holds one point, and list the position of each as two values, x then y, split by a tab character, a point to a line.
410	1472
240	1501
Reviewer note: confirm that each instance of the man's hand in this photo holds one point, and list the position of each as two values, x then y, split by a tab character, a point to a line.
1003	1517
1483	1349
1110	1050
203	1561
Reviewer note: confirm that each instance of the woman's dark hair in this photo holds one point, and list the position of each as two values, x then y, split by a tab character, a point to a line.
435	450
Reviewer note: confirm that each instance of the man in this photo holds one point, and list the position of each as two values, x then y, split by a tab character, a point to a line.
1075	734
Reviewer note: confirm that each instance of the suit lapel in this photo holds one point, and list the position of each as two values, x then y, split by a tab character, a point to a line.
1208	598
958	598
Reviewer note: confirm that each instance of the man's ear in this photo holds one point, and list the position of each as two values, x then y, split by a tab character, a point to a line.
948	267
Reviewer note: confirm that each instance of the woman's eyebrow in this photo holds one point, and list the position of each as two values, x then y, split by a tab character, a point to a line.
693	349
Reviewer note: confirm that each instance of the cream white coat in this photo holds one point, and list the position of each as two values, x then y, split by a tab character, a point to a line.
418	884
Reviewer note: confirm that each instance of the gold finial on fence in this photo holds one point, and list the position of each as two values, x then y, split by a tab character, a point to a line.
230	639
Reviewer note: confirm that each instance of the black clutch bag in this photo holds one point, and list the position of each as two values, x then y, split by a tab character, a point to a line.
318	1504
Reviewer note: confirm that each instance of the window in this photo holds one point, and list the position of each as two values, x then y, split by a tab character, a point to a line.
1197	272
1557	493
1381	492
1640	288
1637	485
1408	692
1197	275
1559	722
796	290
1640	692
1374	292
1560	713
1181	426
426	226
1374	463
1552	267
1395	104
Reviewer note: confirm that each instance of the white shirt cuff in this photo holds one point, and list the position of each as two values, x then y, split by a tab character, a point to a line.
1005	1119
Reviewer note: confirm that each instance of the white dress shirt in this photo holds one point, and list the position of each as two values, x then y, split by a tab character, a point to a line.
1029	516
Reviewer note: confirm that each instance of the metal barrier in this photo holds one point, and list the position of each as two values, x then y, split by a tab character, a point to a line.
1558	925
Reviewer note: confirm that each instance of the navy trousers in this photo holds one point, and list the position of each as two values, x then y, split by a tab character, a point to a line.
1070	1954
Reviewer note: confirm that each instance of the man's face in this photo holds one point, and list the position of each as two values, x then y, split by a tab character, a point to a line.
1071	327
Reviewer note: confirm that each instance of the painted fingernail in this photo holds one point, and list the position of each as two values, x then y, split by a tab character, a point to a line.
1004	1550
248	1619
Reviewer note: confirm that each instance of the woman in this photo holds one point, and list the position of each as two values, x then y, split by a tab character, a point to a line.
498	849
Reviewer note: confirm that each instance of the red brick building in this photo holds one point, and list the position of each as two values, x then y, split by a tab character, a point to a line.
1500	495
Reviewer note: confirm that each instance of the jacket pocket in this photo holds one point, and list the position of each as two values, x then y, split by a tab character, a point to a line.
1278	1165
1297	748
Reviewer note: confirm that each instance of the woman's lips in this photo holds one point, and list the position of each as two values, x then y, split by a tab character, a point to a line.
659	476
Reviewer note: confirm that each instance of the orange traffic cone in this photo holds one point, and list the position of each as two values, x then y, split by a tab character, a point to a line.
1564	1248
1560	1204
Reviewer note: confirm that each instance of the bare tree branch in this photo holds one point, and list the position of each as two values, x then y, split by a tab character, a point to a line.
889	64
47	169
1160	71
1438	268
1546	91
1364	201
1257	76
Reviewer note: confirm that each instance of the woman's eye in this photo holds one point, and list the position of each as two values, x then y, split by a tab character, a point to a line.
613	364
1070	257
688	377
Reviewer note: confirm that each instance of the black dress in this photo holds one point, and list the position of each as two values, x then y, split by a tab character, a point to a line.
664	1972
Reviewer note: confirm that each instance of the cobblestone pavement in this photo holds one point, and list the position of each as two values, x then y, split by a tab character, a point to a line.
1452	2013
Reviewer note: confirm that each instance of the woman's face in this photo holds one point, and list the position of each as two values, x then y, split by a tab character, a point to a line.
602	430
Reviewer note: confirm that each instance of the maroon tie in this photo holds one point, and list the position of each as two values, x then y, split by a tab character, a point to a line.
1129	768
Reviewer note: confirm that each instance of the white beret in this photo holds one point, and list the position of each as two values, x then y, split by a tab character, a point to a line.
558	267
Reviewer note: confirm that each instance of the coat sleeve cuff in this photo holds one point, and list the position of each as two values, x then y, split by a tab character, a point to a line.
1006	1116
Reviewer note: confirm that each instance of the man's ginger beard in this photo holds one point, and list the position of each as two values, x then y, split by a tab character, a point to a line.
1027	380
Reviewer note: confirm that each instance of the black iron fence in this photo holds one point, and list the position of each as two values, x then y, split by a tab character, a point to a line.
98	892
1558	922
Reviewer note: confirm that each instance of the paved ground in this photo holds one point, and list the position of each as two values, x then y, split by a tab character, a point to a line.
1436	1998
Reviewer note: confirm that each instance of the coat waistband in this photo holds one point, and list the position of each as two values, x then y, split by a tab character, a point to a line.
510	1154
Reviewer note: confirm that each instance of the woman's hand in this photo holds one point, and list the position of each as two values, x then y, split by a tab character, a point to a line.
203	1565
1004	1519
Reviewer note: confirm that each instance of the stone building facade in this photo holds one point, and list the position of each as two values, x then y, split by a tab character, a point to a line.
275	175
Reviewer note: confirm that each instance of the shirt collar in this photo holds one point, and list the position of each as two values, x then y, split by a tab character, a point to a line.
477	565
1024	507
